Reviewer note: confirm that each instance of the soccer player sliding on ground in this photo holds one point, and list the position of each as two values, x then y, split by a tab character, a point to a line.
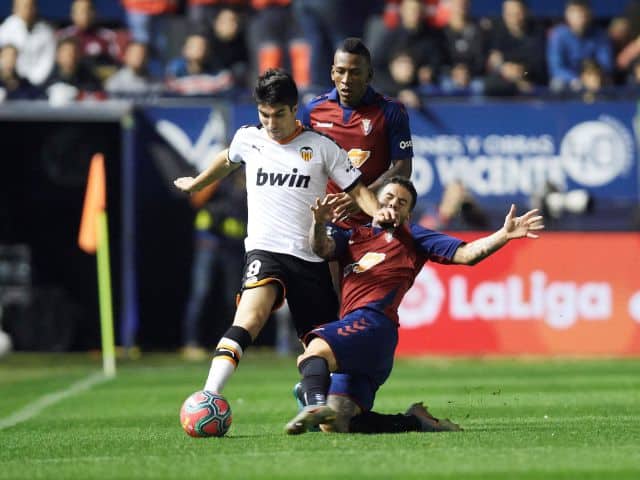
379	263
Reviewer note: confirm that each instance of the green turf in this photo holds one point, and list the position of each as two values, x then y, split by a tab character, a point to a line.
524	419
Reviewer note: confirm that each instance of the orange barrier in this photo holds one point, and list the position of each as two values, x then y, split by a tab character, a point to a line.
566	293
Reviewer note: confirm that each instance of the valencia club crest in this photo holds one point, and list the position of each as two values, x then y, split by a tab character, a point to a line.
306	153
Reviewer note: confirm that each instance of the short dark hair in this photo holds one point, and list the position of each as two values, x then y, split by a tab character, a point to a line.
578	3
355	46
68	41
521	2
406	183
133	42
276	86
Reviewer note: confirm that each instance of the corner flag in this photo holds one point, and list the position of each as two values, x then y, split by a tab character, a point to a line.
94	238
95	201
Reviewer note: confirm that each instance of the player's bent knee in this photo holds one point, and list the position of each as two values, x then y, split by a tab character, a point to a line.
319	348
345	409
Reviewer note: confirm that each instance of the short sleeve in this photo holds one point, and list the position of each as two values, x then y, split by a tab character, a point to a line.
238	145
340	169
398	131
438	247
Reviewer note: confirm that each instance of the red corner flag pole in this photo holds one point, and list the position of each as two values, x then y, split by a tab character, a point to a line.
94	238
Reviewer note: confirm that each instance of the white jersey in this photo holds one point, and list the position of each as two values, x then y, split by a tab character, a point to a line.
283	181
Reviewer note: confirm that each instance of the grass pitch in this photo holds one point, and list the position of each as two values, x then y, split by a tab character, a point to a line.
525	419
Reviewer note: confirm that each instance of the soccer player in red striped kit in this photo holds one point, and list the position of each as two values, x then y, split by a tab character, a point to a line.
373	129
379	263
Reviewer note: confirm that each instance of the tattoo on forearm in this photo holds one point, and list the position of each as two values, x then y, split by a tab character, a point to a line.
482	248
321	244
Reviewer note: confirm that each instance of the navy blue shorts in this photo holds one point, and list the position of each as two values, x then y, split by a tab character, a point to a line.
363	343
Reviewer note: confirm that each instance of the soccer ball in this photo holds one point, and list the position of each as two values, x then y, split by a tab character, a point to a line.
205	414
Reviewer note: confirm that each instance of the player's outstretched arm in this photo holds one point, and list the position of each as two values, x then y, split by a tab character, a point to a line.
346	205
525	226
365	199
400	167
322	244
219	168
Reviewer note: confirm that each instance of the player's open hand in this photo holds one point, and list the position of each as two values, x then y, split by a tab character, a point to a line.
344	207
386	218
323	209
186	184
524	226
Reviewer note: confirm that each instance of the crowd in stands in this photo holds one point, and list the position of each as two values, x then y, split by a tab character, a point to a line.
420	48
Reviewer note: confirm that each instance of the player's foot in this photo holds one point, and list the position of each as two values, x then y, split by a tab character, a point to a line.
429	423
298	394
310	416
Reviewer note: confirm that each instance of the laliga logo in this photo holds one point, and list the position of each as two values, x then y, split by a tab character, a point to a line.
559	304
594	153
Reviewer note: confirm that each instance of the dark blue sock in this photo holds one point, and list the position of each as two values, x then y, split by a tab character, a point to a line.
315	380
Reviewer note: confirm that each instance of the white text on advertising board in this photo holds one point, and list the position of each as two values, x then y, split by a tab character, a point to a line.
591	154
560	304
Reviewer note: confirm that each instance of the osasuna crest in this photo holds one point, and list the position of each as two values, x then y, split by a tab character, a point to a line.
366	126
306	153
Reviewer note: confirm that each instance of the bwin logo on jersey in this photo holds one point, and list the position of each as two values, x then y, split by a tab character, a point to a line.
282	179
306	153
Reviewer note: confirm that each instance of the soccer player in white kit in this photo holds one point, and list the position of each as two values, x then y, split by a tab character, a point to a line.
287	169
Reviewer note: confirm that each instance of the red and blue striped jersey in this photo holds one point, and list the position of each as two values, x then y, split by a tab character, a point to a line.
374	133
379	266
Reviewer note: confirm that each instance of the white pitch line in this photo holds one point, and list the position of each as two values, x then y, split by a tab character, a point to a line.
34	408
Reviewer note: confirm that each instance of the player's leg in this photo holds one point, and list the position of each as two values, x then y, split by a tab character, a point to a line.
252	313
312	302
416	419
373	422
314	365
346	408
310	294
360	343
352	396
363	344
263	290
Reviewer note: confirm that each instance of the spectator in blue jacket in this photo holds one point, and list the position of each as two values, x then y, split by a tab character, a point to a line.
572	43
192	73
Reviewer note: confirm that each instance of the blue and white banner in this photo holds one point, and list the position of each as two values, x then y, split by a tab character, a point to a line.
196	133
506	152
502	152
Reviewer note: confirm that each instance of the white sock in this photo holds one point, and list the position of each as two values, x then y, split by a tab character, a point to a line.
224	363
